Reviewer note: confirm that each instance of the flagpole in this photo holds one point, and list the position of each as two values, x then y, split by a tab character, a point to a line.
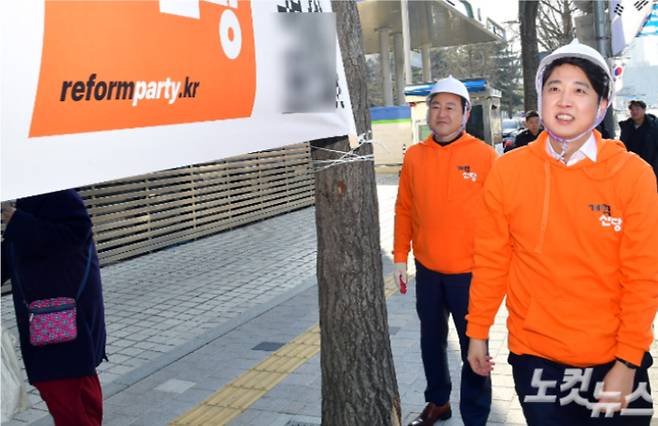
601	24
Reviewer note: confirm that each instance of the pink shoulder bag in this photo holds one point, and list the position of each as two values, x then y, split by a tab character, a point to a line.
53	320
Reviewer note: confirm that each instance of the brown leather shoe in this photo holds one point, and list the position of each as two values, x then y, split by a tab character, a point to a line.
432	413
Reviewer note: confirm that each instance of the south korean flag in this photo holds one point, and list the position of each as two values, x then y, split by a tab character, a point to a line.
627	18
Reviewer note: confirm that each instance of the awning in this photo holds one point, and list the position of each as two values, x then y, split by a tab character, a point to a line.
440	23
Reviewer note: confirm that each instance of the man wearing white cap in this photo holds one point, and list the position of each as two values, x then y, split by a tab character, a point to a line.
569	234
439	195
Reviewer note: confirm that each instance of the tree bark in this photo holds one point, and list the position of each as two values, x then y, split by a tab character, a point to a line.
359	385
529	53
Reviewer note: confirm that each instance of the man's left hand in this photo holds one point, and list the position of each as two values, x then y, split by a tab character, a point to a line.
619	379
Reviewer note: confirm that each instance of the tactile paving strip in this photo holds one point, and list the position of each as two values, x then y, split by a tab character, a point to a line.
232	400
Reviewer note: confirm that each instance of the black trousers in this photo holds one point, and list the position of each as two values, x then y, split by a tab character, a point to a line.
548	399
437	297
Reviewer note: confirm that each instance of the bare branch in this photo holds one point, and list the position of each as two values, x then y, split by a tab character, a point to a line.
555	26
547	4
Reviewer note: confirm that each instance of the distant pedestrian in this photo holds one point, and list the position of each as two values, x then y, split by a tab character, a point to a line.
48	252
605	134
640	133
533	128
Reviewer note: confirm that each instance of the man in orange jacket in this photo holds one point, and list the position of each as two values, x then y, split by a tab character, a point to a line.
439	194
569	233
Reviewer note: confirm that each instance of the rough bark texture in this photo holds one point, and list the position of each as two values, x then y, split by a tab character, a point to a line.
348	27
529	55
359	386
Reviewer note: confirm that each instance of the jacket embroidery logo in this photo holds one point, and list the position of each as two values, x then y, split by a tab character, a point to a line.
606	219
467	173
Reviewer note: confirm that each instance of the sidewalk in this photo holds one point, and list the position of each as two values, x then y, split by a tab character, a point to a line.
192	320
157	305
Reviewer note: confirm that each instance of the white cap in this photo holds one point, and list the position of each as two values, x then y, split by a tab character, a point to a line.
574	50
450	85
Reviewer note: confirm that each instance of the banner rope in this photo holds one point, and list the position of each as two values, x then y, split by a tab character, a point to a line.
346	157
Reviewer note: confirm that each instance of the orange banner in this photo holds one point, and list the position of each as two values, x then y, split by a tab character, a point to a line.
123	64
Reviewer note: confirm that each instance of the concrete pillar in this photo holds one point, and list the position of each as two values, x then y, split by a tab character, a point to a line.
404	7
384	49
398	55
427	62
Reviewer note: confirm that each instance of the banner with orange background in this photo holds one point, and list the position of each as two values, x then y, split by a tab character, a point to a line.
95	90
96	74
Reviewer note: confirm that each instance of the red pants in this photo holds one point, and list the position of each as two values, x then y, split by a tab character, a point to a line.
76	401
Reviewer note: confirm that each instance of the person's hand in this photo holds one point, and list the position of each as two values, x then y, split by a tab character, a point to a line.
7	211
400	276
478	357
617	385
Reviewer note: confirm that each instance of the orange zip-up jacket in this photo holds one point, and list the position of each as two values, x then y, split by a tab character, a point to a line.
439	194
574	249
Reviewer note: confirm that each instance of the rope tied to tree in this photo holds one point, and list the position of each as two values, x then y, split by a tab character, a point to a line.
345	157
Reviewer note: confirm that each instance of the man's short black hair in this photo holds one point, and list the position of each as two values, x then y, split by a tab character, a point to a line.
637	102
596	76
531	113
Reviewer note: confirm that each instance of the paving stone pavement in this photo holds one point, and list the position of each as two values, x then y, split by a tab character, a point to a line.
158	302
186	321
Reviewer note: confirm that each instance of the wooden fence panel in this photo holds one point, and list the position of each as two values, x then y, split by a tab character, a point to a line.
140	214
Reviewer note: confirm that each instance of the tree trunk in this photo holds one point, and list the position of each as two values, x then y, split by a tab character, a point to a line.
358	377
529	53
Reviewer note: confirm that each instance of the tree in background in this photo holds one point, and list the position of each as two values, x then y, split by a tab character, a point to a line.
497	62
359	385
554	28
556	25
374	80
507	78
546	23
529	52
